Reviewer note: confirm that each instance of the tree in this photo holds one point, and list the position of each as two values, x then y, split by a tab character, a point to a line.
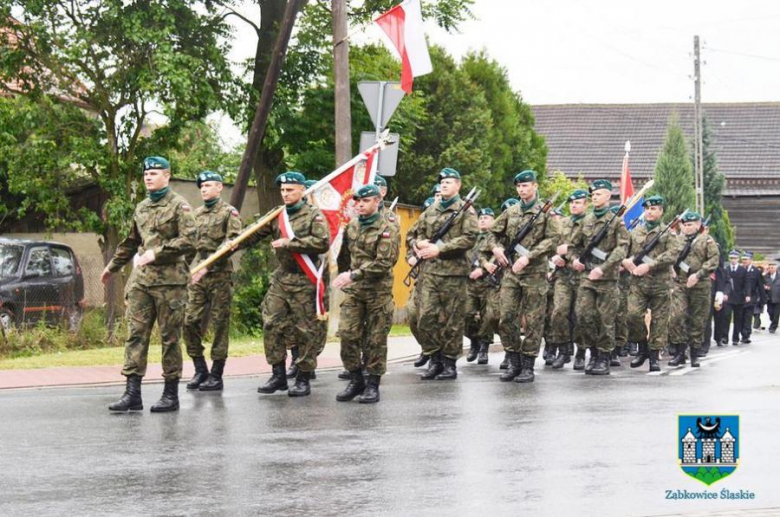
714	182
674	171
198	148
559	182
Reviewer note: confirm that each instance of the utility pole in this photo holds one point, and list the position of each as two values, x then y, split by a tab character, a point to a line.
341	82
698	129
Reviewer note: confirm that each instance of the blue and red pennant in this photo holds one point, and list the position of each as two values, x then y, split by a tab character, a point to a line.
627	191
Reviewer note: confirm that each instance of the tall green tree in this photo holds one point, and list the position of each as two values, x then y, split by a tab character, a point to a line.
714	183
674	171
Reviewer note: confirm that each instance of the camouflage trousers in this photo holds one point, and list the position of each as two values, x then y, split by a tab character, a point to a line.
621	314
595	310
548	312
690	314
646	293
214	291
366	317
442	315
563	319
145	305
481	310
520	299
412	309
290	315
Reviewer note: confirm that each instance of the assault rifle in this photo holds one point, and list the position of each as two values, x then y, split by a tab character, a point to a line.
641	257
441	232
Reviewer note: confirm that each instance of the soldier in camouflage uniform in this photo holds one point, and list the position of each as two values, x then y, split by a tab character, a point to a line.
504	207
550	348
162	235
366	260
524	285
698	259
289	304
563	319
651	285
413	303
218	223
482	302
596	302
621	330
441	304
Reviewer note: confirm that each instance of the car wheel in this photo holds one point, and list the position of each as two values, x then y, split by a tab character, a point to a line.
6	318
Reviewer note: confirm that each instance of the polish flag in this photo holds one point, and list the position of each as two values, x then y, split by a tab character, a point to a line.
403	24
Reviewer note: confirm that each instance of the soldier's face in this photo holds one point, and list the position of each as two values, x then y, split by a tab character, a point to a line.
578	206
600	197
437	196
155	179
210	190
526	191
291	193
691	227
653	213
486	222
367	205
383	191
449	187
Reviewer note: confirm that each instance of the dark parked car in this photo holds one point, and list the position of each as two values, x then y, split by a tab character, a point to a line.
39	279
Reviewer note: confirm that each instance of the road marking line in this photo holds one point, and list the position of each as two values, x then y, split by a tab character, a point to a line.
687	369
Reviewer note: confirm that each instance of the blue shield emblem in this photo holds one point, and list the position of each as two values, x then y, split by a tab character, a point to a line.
708	446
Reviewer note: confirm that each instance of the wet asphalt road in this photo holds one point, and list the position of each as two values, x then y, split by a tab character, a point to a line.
569	444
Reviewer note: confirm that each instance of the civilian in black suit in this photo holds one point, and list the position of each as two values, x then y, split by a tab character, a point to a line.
772	288
735	303
752	295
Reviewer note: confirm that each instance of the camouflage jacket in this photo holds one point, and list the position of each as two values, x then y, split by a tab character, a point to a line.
312	237
453	250
166	226
370	253
538	243
614	245
390	217
565	229
661	257
702	260
478	256
216	225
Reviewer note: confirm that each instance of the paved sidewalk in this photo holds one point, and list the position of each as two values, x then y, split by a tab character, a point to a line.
399	349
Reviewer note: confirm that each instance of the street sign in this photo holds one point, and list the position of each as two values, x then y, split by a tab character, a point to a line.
388	157
384	94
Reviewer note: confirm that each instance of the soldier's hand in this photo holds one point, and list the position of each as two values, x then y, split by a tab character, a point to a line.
628	264
422	244
674	273
343	280
476	274
641	270
563	249
578	266
280	243
429	252
596	273
498	252
491	267
692	280
412	260
105	276
558	261
146	258
520	264
197	276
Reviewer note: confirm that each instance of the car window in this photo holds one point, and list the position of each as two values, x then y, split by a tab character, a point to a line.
10	257
39	262
63	261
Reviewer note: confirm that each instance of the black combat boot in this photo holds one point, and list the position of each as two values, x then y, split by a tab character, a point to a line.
449	372
131	400
624	350
672	349
301	388
633	349
292	371
679	356
312	375
355	387
514	369
345	375
591	360
504	362
371	393
421	361
641	355
579	358
549	354
614	357
526	369
603	362
564	355
435	367
654	366
277	382
170	398
473	350
214	382
482	357
695	357
201	373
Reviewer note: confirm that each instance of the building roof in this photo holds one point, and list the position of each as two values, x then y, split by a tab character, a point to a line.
590	138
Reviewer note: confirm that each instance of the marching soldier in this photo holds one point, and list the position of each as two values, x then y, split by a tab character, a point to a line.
442	306
217	223
412	304
650	285
562	322
482	301
504	207
596	302
366	260
550	348
691	293
163	234
621	330
290	305
524	285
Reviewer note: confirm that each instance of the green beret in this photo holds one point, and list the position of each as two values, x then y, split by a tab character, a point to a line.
436	189
156	162
448	172
525	177
509	202
486	211
379	181
205	176
690	217
309	183
734	253
296	178
428	202
600	184
654	201
366	191
578	194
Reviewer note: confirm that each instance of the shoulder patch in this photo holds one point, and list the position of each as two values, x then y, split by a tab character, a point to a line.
234	213
185	207
709	240
391	218
318	218
385	235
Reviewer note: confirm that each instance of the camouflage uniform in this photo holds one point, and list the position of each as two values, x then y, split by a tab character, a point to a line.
482	297
370	251
562	322
413	303
216	225
289	310
621	328
691	306
442	307
159	289
652	291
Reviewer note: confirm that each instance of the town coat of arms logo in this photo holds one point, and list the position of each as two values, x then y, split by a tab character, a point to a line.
708	446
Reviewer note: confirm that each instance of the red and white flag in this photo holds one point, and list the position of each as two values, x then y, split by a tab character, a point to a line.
403	24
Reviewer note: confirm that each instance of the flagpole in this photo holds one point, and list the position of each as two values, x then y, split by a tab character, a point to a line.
361	28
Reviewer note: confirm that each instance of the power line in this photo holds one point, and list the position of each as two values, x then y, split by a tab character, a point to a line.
743	54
